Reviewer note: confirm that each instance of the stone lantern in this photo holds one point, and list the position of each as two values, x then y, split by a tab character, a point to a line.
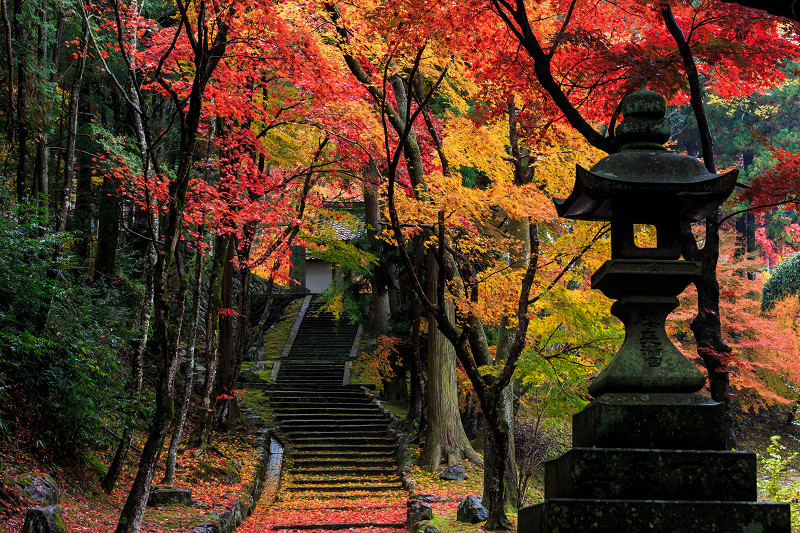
644	184
649	453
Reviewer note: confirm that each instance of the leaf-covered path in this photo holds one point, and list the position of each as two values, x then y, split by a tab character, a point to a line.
340	471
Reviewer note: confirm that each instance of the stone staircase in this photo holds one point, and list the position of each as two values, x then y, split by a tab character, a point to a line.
342	471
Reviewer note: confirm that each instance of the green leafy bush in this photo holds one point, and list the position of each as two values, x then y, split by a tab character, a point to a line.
778	480
60	338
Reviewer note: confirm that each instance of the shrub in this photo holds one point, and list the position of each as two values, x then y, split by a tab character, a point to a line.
60	338
778	481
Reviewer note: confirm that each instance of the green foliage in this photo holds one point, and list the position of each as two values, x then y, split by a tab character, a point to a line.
785	281
60	337
778	481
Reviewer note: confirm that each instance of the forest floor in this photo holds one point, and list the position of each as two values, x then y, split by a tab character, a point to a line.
216	477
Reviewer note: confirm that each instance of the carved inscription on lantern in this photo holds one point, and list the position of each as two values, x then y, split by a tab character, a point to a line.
649	343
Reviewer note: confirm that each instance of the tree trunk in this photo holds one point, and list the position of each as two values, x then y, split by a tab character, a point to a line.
380	296
227	364
22	102
83	213
72	134
706	325
444	435
137	376
172	454
107	232
205	419
12	106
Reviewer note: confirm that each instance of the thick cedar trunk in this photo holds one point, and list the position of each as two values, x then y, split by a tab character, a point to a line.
444	435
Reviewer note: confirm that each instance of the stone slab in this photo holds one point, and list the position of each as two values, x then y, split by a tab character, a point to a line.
660	420
626	516
622	473
168	496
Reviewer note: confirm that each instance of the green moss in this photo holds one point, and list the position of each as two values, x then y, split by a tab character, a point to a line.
258	401
397	410
276	337
60	525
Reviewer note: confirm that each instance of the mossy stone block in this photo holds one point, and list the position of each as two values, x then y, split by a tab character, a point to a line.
657	420
628	516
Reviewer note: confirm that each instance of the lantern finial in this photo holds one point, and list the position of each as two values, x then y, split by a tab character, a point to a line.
644	125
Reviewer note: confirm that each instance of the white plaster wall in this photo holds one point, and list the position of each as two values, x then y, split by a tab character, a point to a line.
319	276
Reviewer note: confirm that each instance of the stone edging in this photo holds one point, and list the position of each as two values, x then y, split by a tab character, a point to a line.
234	514
401	443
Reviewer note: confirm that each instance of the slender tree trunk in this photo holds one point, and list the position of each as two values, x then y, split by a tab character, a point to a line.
72	133
108	231
172	454
380	296
202	431
22	103
417	408
83	213
137	376
12	105
225	360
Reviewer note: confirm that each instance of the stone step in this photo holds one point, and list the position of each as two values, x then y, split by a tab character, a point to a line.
340	391
332	389
344	479
374	527
298	370
317	401
288	404
342	440
314	398
305	381
630	473
344	488
326	454
366	417
654	516
327	426
342	462
379	451
338	410
337	390
354	472
293	433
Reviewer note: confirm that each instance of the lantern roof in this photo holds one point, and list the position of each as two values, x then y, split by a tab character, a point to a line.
644	175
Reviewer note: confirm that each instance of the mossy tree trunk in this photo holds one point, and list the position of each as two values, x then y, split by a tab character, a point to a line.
444	435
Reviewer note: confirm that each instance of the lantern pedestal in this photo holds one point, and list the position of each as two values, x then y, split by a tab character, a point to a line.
654	462
646	292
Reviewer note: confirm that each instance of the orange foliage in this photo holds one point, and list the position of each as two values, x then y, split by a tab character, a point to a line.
765	363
